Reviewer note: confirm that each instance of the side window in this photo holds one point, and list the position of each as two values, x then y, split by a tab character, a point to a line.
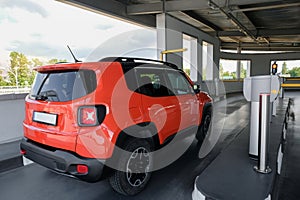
179	83
151	82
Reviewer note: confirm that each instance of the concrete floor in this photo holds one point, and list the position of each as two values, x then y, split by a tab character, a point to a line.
231	176
176	181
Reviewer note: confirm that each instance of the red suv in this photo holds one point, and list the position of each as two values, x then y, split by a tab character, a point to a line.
103	119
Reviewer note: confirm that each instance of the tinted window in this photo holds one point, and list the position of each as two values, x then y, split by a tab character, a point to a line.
129	74
179	83
151	82
63	86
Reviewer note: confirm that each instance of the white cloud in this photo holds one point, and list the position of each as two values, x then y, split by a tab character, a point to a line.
44	28
26	5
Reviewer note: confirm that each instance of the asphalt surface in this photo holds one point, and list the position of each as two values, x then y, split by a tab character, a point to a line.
10	157
176	181
290	174
238	179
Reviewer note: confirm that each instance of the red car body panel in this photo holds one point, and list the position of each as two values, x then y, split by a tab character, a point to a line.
124	108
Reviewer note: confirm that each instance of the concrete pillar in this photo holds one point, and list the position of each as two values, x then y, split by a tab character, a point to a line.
194	59
161	33
199	61
168	39
208	62
238	66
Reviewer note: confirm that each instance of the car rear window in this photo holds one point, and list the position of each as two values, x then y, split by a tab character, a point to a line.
63	86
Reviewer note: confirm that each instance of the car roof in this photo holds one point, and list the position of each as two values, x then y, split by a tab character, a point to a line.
134	62
126	62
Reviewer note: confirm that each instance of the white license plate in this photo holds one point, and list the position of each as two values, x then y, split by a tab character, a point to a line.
45	118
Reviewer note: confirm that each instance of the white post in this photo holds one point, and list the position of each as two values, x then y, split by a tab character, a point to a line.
264	131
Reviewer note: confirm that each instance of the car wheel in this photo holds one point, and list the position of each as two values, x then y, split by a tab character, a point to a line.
134	167
205	124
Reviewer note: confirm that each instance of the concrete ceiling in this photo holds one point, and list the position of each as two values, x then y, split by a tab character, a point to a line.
268	25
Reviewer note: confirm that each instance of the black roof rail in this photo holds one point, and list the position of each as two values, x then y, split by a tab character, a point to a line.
134	60
62	62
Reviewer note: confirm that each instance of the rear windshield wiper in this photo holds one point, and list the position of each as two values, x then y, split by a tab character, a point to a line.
45	95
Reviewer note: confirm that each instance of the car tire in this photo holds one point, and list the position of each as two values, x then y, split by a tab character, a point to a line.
136	157
205	124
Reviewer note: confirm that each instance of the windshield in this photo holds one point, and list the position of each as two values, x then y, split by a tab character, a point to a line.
63	86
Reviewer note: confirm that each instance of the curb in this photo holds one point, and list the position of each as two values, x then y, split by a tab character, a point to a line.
11	163
10	157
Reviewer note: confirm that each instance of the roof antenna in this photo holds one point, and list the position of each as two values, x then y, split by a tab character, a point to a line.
75	59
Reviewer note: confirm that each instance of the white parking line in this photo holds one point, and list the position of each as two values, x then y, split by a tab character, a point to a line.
26	161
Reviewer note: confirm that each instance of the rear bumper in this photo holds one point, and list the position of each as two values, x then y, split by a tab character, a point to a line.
62	161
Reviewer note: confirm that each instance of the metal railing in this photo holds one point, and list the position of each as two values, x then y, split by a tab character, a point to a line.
13	90
291	82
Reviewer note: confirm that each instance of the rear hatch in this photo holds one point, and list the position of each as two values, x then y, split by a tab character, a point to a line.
51	106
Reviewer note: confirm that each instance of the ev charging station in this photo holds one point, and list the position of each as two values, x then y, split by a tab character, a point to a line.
253	87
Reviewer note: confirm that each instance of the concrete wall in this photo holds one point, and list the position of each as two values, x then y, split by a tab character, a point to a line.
12	112
232	87
170	36
219	88
173	40
175	29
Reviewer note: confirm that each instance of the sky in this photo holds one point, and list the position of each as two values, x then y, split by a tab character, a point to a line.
42	29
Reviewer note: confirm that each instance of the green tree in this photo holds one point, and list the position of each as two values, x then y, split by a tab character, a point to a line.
19	69
55	60
243	71
221	71
226	75
294	72
284	68
187	71
233	74
36	62
2	81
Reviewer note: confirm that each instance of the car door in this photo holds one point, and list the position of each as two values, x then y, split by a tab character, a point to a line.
188	103
159	105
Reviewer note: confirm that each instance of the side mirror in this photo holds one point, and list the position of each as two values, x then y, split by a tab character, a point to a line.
196	88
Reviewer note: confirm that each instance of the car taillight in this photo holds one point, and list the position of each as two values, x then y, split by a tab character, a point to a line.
88	116
23	152
91	115
82	169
